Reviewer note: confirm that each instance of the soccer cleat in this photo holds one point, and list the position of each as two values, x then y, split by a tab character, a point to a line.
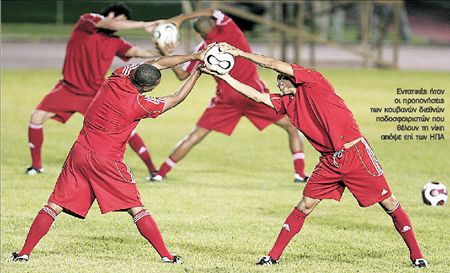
299	179
152	174
266	260
420	263
156	178
176	260
16	258
33	171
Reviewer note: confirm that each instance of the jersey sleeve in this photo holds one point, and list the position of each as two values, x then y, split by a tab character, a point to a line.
149	107
192	65
305	75
88	21
122	49
221	18
277	101
126	71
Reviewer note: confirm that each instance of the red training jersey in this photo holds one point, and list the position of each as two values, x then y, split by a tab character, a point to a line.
89	54
115	111
244	70
318	111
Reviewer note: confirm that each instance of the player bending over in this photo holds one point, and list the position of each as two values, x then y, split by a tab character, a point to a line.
227	107
89	53
346	159
94	168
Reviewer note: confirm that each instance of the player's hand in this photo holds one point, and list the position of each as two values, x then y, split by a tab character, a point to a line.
205	70
230	49
201	54
150	26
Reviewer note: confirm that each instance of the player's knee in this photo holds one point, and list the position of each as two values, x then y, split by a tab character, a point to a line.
390	204
58	209
135	210
38	117
307	205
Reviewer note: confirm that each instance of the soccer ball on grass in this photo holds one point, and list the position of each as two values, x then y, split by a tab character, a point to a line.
434	194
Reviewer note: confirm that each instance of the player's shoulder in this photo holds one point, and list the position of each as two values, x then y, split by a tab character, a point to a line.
94	17
299	68
149	107
150	99
126	71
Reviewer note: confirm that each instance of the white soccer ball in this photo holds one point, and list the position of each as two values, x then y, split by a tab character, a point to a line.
434	194
166	35
218	61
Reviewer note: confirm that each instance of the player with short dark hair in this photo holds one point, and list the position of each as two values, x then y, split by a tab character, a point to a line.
227	107
90	51
117	9
347	160
94	168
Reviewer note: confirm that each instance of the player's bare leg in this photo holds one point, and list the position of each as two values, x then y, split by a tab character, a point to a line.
181	150
297	146
403	226
41	225
149	230
292	225
36	138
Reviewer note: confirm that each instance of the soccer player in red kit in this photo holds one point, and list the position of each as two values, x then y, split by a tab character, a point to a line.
347	160
94	168
89	53
228	106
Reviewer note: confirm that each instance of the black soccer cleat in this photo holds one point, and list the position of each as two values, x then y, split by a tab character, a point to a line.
266	260
33	171
16	258
176	260
420	263
299	179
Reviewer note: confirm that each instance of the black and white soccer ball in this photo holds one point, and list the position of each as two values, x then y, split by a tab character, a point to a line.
218	61
434	194
166	35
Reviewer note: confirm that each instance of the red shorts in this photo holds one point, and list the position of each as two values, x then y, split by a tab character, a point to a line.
355	168
62	102
223	117
86	176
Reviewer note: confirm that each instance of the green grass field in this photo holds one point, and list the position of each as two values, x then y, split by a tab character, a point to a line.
223	206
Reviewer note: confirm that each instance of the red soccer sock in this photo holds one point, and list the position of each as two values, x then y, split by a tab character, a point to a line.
291	226
166	166
149	230
35	140
38	229
137	144
404	228
299	163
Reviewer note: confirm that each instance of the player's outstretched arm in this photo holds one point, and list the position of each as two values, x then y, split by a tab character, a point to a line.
171	61
264	61
136	52
165	62
242	88
179	72
182	92
121	23
178	20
